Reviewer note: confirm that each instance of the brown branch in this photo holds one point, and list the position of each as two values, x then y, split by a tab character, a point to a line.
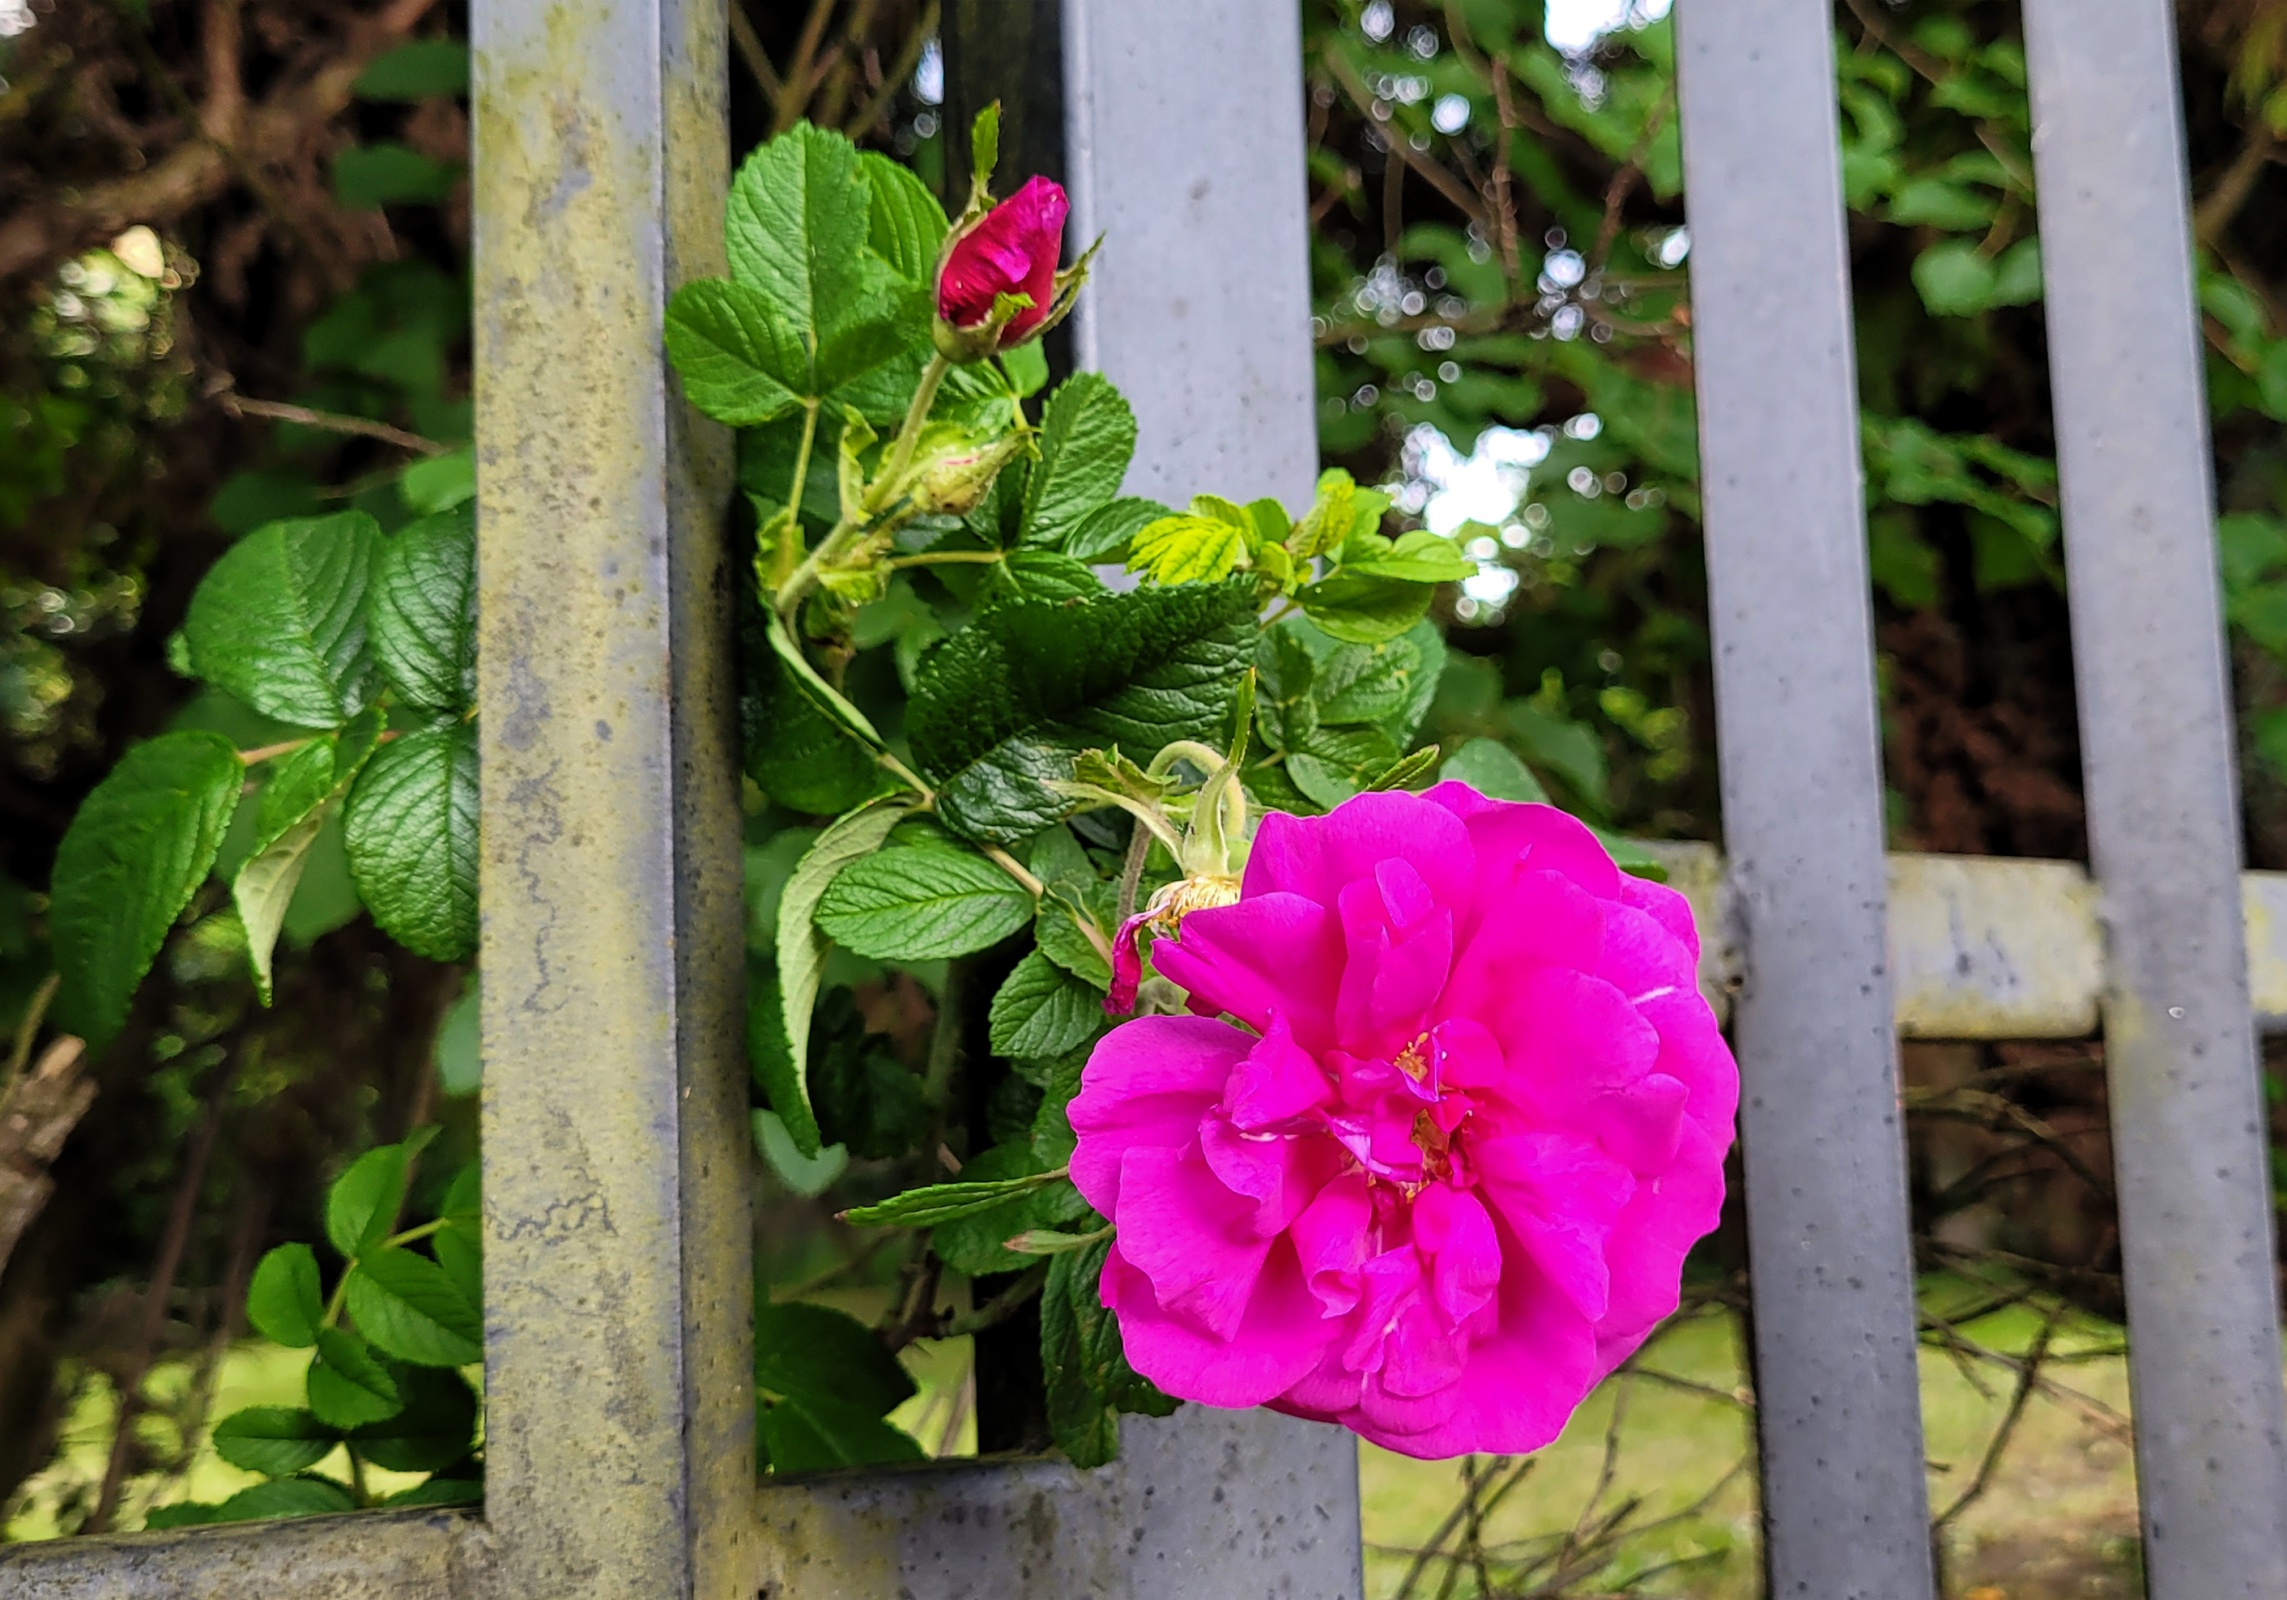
1444	182
196	171
908	58
1625	180
37	1114
797	81
748	43
2027	1377
162	1287
332	422
2222	204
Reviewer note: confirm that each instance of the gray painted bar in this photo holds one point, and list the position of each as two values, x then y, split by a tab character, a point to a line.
2156	747
618	1263
1845	1504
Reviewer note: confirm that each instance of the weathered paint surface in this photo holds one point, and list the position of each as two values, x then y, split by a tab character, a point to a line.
618	1268
375	1555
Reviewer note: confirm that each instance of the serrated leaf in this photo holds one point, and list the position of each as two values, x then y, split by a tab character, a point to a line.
946	1202
802	950
1286	678
741	357
1416	557
1087	437
915	903
1366	683
999	708
1404	772
279	621
423	612
907	226
348	1385
285	1497
296	802
408	1306
813	1351
1061	933
139	847
273	1440
1042	1010
419	69
1041	575
797	221
1332	513
1360	609
1494	771
361	1205
1105	533
434	1428
1186	548
976	1242
283	1299
411	830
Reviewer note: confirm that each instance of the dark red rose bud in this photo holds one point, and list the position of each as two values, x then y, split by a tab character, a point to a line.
1011	249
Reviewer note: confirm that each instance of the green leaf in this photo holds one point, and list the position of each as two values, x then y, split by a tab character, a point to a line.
1404	772
1361	609
440	1492
1953	279
1188	549
408	1306
369	176
1088	1377
411	830
348	1384
907	227
818	1433
1087	437
423	612
1569	749
361	1206
2017	274
1060	934
459	1048
1367	684
813	1351
295	805
1327	524
1026	366
797	222
1041	575
419	69
820	693
285	1497
435	1429
182	1514
439	483
1105	533
808	1175
999	709
742	359
976	1242
1042	1010
1493	770
803	758
273	1440
283	1300
946	1202
919	903
141	844
280	620
802	950
1951	206
1416	557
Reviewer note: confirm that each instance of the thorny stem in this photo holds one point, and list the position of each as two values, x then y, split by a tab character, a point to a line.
860	519
1131	871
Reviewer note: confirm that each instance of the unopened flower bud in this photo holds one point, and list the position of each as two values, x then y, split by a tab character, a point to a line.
1010	250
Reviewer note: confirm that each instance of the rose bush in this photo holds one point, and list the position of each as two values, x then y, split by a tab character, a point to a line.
1443	1178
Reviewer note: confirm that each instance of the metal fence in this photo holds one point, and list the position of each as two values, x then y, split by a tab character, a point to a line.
618	1273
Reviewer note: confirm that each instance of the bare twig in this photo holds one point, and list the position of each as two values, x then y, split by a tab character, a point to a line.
748	43
799	79
1444	182
2028	1376
333	422
908	58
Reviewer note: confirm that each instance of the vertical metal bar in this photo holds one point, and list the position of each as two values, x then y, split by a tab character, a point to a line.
1845	1501
1184	149
618	1270
2163	806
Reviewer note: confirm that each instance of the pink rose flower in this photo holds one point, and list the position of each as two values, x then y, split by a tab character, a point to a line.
1012	249
1443	1178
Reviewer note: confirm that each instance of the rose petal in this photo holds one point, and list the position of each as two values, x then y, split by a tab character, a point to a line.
1147	1083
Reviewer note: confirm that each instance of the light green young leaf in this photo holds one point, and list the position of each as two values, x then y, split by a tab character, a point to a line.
348	1385
946	1202
279	621
408	1306
410	828
919	903
1186	548
283	1300
423	612
1042	1010
1416	557
273	1440
802	947
440	483
1087	437
142	843
1330	518
1105	533
1358	609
